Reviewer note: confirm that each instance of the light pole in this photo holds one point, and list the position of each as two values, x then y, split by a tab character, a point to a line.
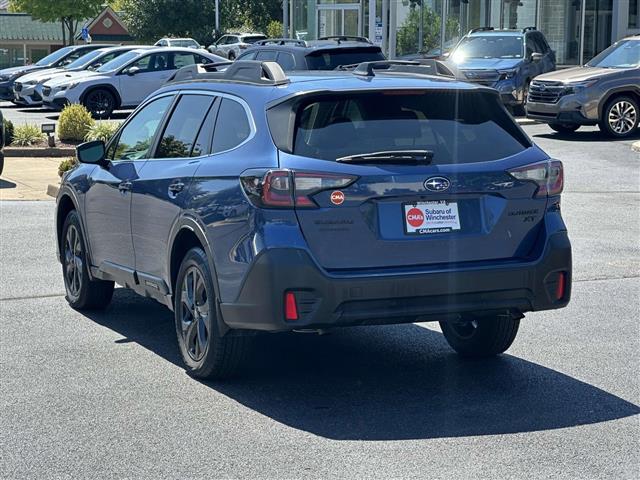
217	18
421	27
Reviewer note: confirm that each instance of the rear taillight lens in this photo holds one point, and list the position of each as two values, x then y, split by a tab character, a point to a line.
289	188
548	175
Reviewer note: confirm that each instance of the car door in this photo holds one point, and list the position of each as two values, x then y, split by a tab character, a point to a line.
108	197
160	192
142	77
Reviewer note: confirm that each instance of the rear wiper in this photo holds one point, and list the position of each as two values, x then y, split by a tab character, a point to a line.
412	157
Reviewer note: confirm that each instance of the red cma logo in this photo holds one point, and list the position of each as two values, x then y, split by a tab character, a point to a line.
337	197
415	217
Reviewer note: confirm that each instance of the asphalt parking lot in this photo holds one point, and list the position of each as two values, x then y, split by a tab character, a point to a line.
104	395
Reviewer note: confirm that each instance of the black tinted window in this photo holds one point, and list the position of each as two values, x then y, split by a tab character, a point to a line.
232	126
286	61
202	145
457	127
183	126
331	59
248	56
266	56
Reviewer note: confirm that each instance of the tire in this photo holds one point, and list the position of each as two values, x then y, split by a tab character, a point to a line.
231	56
564	127
521	110
82	292
100	102
620	117
205	353
1	162
482	336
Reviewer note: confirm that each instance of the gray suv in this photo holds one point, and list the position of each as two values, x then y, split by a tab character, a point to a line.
604	92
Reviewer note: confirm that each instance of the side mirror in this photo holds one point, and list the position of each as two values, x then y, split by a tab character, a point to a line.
132	70
92	153
537	56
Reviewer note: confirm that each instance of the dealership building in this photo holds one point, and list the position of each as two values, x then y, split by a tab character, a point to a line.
576	29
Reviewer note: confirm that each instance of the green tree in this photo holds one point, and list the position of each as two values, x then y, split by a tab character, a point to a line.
149	20
407	40
68	12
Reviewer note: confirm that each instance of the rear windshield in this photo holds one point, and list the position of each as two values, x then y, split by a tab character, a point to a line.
458	127
253	38
332	59
489	46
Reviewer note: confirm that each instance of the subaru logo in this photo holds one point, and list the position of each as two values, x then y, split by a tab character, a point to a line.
542	86
437	184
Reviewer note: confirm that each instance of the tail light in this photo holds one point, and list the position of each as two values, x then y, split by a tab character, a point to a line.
289	188
548	175
290	307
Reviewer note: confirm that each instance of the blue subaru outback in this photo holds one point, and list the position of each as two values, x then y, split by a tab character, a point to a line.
249	200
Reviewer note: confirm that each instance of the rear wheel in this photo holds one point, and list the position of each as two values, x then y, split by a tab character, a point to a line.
521	110
482	336
100	102
83	293
232	56
564	127
620	117
204	351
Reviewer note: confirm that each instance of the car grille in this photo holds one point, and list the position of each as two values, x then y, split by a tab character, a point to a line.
545	92
46	91
17	87
484	77
35	96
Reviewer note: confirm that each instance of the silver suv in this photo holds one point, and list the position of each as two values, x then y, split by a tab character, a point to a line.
232	45
604	92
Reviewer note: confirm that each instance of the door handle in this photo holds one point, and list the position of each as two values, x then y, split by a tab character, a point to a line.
175	188
125	186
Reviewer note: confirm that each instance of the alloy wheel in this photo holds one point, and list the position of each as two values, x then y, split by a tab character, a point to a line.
99	103
73	262
194	314
622	117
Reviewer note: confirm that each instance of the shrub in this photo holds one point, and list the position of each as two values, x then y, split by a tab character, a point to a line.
26	135
67	165
8	132
275	29
102	131
74	123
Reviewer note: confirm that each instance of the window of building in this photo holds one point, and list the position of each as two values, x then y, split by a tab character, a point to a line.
634	8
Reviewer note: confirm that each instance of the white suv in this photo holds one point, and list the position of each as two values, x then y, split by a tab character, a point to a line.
231	46
123	82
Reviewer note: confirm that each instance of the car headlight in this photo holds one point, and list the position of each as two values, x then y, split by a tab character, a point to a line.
5	78
575	87
68	86
506	74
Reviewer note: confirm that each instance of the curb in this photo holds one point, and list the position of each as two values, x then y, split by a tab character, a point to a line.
52	190
526	121
635	147
39	152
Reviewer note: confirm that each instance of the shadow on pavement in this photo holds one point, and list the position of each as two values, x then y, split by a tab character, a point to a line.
7	184
382	383
585	136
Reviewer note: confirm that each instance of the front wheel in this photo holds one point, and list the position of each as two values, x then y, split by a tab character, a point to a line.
563	127
83	293
620	117
231	56
482	336
204	351
100	102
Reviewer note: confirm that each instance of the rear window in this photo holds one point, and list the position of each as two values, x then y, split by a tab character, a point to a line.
253	38
458	127
332	59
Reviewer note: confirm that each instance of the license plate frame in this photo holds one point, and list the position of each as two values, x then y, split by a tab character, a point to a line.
438	216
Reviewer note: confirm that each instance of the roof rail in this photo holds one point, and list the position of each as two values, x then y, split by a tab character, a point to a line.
422	67
281	41
246	71
480	29
528	29
346	38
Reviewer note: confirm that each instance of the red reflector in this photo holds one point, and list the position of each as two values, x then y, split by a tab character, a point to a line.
290	307
562	282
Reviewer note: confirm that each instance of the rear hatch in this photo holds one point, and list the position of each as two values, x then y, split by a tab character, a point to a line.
403	178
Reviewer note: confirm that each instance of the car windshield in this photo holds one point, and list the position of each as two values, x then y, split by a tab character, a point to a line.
489	46
253	38
624	54
117	62
85	59
332	59
458	127
184	43
54	57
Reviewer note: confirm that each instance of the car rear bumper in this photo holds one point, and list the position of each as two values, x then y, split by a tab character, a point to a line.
329	300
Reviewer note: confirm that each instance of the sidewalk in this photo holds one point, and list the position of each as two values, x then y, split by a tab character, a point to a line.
27	178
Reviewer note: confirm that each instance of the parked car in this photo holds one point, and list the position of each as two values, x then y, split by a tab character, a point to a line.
28	88
326	53
178	42
506	60
231	46
123	82
59	58
2	140
604	92
252	200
